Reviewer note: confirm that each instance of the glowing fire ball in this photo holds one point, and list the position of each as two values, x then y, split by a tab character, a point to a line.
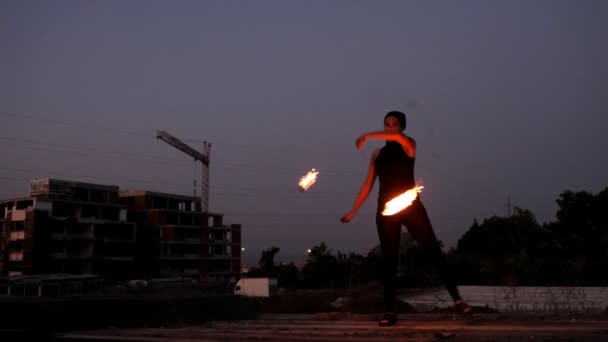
401	202
308	180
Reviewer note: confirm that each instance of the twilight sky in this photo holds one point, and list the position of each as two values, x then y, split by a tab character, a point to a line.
506	99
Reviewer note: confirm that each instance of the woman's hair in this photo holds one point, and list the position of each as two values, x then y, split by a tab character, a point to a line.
399	116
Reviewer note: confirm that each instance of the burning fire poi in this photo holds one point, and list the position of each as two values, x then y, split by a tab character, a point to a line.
401	202
308	180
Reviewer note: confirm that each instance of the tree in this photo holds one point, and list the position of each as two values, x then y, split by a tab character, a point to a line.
287	275
266	266
320	267
266	262
581	235
324	270
499	251
516	250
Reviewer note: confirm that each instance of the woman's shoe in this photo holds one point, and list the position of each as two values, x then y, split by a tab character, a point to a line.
389	318
462	307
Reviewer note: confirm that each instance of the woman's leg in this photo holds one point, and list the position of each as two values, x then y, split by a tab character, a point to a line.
389	231
419	226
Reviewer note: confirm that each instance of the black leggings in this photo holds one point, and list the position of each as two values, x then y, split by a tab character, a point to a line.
419	226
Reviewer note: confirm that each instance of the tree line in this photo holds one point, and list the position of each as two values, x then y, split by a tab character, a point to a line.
514	250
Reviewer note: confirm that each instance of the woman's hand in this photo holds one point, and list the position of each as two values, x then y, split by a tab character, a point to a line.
360	141
347	217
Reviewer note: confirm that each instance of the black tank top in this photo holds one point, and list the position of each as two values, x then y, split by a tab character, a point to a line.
395	170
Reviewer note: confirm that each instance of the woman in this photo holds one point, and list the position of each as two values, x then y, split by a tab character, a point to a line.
394	166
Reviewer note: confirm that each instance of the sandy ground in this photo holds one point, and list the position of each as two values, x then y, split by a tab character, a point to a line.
348	327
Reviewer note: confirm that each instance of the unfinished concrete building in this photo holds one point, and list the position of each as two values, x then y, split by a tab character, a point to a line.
83	228
175	238
67	227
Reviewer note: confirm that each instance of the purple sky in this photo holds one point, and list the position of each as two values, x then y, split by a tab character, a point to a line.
505	98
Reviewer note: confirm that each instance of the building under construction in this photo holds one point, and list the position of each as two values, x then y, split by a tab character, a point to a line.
67	227
175	238
83	228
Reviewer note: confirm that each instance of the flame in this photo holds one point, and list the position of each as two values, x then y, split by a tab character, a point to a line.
401	202
308	180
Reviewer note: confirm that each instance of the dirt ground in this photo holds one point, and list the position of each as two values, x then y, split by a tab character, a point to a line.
319	315
363	300
342	326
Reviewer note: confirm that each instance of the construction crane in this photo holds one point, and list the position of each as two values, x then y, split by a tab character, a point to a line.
198	156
